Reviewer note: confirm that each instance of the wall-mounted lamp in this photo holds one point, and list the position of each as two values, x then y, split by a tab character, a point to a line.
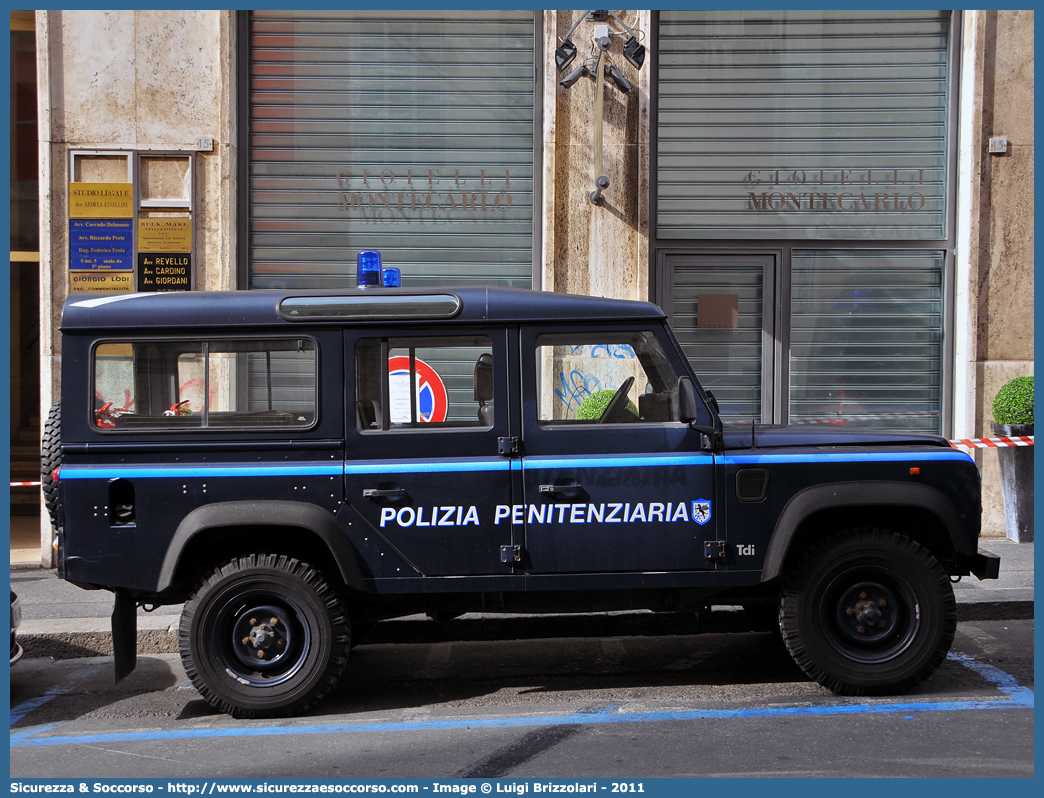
564	55
598	65
634	52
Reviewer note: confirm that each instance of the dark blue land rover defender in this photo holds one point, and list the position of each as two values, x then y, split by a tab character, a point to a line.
294	466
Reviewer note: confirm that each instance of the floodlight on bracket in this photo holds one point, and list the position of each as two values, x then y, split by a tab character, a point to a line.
597	65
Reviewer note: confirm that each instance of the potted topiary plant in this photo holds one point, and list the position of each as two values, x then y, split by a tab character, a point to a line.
1013	417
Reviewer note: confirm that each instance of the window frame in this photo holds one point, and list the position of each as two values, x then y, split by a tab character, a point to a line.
384	351
776	409
201	342
604	339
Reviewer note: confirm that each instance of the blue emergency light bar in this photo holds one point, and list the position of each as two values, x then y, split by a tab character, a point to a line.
368	267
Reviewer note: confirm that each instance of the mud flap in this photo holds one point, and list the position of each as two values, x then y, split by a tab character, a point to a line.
985	565
124	634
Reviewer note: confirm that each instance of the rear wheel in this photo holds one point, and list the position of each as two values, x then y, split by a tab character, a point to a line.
868	612
264	635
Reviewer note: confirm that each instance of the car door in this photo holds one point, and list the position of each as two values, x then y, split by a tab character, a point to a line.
426	412
613	480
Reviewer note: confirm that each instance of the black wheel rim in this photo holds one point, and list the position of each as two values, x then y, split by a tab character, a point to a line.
869	614
262	640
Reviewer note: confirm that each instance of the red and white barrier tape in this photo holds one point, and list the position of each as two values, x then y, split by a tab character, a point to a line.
25	484
992	443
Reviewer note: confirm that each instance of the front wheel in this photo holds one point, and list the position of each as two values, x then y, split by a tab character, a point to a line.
868	612
264	635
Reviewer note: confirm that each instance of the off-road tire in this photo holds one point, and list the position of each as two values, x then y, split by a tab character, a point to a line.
868	612
50	459
246	665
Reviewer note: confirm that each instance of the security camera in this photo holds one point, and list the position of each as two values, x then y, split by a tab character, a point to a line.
616	76
580	72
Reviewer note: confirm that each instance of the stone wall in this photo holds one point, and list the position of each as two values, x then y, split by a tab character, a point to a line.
132	81
995	264
601	250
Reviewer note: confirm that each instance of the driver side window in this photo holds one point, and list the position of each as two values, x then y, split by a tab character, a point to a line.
604	378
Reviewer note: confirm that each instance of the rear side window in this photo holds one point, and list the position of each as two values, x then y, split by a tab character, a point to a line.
423	383
217	384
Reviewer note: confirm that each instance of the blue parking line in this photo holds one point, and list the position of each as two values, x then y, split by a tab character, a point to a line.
1019	697
23	709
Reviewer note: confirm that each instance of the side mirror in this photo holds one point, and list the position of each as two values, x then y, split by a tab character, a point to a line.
690	410
688	406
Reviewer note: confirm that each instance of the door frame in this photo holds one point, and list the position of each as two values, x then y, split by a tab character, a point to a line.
578	449
775	317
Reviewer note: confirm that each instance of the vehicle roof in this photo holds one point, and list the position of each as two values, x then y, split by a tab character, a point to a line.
260	307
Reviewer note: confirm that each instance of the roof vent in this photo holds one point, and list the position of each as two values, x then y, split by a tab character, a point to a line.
370	306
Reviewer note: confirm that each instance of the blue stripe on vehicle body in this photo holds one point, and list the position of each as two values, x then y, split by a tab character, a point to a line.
337	468
622	461
434	465
740	459
332	469
847	457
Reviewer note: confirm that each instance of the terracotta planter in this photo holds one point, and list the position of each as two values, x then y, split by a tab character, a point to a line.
1016	469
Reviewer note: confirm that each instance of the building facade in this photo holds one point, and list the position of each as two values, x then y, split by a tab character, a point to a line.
835	208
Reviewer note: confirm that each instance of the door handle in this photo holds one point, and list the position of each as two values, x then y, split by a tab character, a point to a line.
375	493
552	490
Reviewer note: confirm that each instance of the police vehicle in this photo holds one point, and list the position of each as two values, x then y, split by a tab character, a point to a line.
295	466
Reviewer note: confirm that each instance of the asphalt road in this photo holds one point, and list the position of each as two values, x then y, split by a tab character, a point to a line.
709	704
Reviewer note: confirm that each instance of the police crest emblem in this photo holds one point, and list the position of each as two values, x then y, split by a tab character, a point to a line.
701	511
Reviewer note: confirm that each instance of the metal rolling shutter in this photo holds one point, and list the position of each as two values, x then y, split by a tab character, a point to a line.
729	360
866	339
802	124
409	132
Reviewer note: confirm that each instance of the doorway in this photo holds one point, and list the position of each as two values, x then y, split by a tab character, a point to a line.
723	310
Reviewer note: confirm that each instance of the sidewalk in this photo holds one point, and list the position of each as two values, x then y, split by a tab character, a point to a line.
63	621
25	541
